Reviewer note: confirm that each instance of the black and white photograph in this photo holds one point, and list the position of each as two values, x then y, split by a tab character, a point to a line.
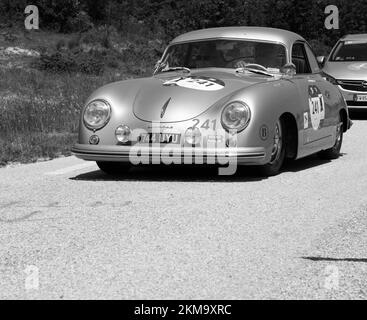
202	151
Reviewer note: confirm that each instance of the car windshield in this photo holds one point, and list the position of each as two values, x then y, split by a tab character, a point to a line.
224	54
350	51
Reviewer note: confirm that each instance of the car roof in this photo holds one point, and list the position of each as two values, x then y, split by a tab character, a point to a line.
255	33
361	36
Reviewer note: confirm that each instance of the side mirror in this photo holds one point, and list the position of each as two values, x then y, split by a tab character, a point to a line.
321	60
289	70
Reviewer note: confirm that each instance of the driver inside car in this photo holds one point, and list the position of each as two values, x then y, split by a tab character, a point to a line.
231	52
265	55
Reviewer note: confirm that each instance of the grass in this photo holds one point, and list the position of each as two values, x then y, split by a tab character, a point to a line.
39	105
39	112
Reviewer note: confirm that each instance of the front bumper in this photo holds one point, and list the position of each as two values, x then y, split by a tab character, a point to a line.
163	155
350	98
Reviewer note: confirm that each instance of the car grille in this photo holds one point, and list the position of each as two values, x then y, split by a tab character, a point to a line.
353	85
356	104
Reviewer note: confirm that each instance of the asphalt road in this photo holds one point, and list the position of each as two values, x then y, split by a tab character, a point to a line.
67	231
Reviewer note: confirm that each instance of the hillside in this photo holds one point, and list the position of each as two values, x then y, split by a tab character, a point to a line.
45	78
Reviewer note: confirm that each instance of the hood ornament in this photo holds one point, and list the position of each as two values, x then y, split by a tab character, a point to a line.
164	108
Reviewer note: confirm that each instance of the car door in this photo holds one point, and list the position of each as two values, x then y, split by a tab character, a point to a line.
315	100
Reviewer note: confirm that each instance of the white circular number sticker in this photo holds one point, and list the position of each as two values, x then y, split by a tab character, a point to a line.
196	83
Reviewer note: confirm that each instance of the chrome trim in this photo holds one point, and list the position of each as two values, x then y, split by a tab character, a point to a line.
122	153
360	85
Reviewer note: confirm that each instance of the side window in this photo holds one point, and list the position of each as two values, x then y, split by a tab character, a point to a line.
299	58
312	59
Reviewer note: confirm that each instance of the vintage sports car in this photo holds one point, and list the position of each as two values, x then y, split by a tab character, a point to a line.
243	95
346	67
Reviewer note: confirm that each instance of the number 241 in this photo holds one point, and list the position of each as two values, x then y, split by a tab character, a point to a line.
206	125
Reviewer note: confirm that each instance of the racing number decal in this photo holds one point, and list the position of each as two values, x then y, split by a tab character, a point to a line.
197	83
317	106
206	125
197	121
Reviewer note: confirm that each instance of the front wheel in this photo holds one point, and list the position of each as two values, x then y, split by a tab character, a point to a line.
278	152
334	152
113	168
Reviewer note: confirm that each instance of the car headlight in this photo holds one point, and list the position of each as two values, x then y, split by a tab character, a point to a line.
236	116
97	114
193	136
329	78
123	133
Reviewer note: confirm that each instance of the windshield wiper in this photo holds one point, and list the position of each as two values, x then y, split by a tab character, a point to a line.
176	69
253	70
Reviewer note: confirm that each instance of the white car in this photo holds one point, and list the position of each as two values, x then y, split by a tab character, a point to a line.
346	67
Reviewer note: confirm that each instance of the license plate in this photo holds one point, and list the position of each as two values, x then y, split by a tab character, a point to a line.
361	98
160	138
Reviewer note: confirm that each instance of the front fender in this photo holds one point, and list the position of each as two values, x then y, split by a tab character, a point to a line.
268	102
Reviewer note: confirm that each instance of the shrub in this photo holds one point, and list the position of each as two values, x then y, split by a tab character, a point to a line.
64	16
71	62
100	36
89	63
140	58
78	23
320	48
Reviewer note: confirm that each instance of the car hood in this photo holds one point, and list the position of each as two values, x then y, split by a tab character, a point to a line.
347	70
175	97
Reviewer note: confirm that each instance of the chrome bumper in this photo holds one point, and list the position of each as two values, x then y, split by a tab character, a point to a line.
249	156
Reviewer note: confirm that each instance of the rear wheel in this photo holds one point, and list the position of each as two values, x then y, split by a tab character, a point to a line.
278	151
113	168
334	152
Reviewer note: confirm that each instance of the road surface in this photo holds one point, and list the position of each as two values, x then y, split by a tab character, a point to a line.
67	231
